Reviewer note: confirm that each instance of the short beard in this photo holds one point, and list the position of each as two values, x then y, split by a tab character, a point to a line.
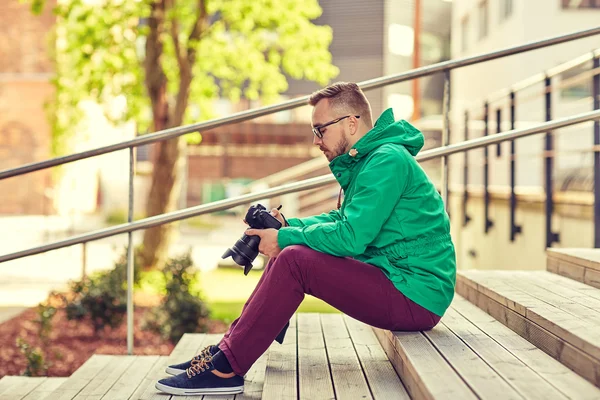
341	147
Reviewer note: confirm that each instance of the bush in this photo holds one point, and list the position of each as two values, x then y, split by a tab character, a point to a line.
182	310
36	366
45	314
102	298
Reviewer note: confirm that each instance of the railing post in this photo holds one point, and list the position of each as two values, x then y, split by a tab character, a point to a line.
83	260
596	94
466	217
130	262
446	139
514	228
486	170
551	236
498	130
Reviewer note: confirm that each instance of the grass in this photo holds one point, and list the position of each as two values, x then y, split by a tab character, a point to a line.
226	290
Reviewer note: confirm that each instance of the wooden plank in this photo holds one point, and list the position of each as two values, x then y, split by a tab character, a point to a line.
313	368
17	387
129	381
280	374
574	358
146	389
379	371
580	333
510	369
481	377
106	378
566	381
424	370
255	379
188	346
552	294
581	287
348	379
45	389
588	301
82	377
588	258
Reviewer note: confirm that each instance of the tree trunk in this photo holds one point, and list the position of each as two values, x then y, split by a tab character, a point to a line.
166	177
163	196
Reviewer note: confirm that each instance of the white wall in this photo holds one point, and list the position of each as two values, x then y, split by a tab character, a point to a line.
531	20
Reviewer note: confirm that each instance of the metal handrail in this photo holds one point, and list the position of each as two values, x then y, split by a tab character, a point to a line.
296	187
540	77
298	102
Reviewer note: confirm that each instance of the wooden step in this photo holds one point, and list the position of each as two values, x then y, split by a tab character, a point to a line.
583	265
324	356
28	388
470	355
557	314
327	356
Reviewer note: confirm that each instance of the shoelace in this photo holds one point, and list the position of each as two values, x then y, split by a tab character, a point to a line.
204	353
198	366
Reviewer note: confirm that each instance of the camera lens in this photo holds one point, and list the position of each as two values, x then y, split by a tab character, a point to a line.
244	251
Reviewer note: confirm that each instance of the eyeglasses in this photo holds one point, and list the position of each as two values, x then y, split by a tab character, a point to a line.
317	129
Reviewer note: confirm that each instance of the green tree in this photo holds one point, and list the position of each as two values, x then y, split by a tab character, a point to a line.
161	56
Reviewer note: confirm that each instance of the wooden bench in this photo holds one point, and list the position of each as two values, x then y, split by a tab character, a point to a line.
470	355
582	265
559	315
324	356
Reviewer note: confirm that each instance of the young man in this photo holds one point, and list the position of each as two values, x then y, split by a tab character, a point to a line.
385	257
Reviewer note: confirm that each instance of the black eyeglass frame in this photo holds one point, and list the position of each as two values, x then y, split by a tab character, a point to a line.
317	129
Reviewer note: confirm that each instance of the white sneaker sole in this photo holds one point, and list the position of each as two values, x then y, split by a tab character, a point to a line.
191	392
174	371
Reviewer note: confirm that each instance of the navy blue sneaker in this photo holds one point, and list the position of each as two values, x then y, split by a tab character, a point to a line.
181	368
199	379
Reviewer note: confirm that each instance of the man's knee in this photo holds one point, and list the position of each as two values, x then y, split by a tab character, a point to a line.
295	252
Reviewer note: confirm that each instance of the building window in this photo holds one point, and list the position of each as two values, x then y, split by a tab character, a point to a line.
506	9
483	19
574	4
575	84
464	27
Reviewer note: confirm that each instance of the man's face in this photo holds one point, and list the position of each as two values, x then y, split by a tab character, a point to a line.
334	141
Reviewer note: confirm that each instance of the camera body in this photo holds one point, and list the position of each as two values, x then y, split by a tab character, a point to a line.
245	249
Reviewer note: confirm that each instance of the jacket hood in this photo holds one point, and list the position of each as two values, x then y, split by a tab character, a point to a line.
387	130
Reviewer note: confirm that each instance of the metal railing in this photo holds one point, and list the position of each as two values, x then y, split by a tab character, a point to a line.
172	133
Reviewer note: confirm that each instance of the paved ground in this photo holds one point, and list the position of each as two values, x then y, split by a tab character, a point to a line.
27	281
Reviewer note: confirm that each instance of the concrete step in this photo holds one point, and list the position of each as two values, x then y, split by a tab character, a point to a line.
557	314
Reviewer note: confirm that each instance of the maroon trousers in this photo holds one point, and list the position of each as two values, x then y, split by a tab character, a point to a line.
359	290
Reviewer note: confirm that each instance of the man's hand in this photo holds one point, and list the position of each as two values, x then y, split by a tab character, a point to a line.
268	241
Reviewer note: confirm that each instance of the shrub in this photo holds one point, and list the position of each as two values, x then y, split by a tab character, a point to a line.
182	309
102	298
36	366
45	314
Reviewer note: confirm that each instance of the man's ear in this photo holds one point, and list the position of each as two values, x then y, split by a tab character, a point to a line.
353	126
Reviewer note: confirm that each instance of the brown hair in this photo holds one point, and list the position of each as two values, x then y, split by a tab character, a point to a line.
345	96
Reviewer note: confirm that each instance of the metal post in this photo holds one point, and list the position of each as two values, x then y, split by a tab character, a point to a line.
466	217
83	260
498	130
446	138
514	228
486	171
551	236
596	94
130	264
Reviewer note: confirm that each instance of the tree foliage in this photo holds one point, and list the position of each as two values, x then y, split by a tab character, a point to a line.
162	63
224	48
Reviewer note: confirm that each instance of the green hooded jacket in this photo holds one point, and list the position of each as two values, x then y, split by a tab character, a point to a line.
392	216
